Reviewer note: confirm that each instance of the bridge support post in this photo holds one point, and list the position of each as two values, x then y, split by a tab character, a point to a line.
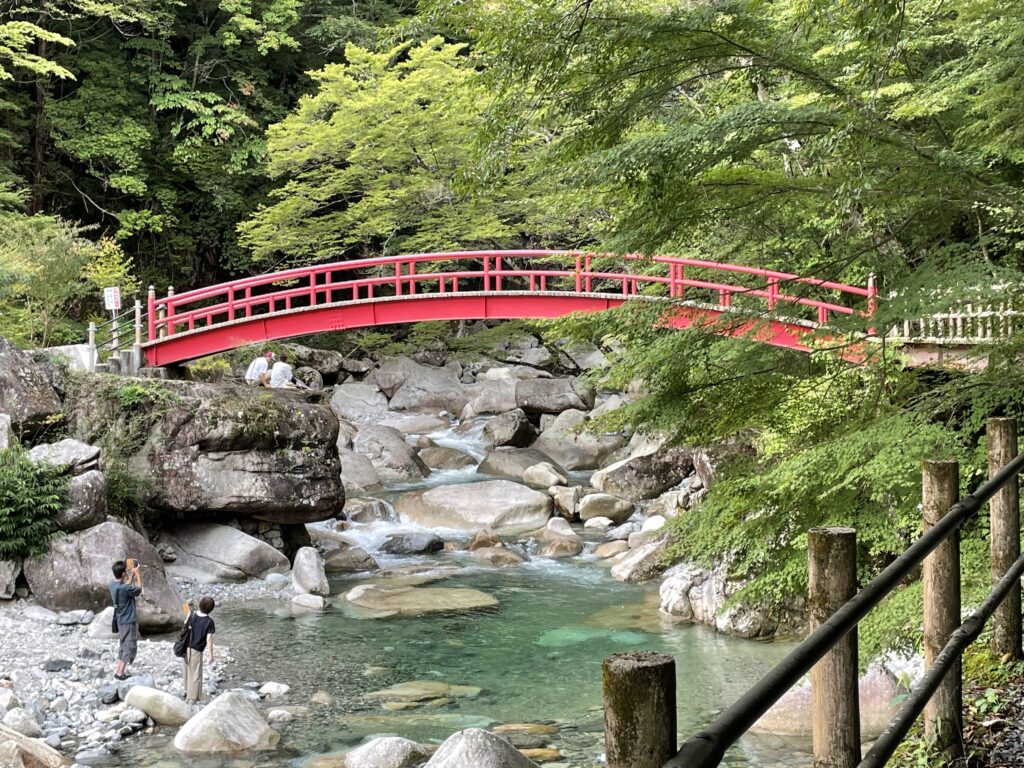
639	709
835	701
1004	535
943	723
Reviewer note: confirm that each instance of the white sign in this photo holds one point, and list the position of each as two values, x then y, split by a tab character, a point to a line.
112	298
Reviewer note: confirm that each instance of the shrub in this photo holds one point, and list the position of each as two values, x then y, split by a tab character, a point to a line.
31	497
210	369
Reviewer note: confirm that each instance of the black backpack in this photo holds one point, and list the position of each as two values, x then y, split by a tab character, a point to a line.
184	637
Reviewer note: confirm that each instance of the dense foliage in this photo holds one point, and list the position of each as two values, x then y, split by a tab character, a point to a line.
31	497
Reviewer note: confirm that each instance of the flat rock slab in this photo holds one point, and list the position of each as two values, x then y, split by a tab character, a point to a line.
385	601
422	690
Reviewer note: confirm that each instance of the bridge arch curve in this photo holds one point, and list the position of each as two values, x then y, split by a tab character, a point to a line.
479	285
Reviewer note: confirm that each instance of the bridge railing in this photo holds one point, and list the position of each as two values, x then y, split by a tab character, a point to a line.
536	271
972	324
831	648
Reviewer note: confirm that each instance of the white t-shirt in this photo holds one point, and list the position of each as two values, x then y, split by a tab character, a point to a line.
281	375
256	367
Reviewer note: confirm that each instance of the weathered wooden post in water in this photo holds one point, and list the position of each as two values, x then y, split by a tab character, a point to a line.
943	723
639	709
1004	535
835	704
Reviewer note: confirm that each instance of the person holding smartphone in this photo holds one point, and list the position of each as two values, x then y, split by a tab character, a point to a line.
125	588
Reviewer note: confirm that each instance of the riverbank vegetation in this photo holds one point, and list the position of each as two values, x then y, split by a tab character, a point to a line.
167	143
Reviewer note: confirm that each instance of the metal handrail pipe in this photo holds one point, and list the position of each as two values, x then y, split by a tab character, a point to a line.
964	635
707	748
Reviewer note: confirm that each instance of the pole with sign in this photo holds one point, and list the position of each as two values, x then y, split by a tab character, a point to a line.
112	302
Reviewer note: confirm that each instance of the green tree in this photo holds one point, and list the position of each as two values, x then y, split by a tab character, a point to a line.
381	159
31	497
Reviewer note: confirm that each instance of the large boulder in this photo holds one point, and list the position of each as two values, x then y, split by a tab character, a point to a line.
513	462
20	751
384	601
308	574
164	708
413	386
349	560
412	543
495	396
75	574
327	362
510	428
477	748
605	505
212	451
25	392
392	457
567	442
690	592
9	572
387	752
73	455
647	473
643	563
357	471
501	505
359	402
553	395
229	723
222	553
440	457
87	502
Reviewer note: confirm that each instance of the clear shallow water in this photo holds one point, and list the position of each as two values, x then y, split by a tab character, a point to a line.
536	657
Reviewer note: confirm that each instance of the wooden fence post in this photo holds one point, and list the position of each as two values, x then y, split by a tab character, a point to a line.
835	705
943	724
1004	536
639	709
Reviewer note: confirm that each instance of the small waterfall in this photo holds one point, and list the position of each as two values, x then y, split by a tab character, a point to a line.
467	437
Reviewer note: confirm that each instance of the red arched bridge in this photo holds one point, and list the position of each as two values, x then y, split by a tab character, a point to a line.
473	285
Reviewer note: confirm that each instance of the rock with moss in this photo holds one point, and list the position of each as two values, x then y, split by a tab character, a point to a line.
208	451
25	392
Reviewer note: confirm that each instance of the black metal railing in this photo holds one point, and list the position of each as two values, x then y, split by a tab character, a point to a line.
707	748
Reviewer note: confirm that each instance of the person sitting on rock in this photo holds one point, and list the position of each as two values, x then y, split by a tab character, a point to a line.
281	376
257	374
123	591
199	640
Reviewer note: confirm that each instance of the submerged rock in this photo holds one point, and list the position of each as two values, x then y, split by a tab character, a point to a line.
385	601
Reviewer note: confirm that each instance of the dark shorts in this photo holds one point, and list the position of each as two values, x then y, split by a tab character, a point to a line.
129	643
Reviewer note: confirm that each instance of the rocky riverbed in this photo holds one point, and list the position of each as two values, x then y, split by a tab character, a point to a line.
370	498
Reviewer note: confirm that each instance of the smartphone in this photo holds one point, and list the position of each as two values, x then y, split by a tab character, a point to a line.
131	564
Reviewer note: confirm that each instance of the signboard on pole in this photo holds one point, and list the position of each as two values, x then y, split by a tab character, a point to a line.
112	298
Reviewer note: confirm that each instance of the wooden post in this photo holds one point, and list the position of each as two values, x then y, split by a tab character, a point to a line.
639	709
835	704
1004	535
941	581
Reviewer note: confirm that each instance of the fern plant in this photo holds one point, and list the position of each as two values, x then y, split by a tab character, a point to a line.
31	497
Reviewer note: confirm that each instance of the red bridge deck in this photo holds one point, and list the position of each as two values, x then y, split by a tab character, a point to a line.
474	285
